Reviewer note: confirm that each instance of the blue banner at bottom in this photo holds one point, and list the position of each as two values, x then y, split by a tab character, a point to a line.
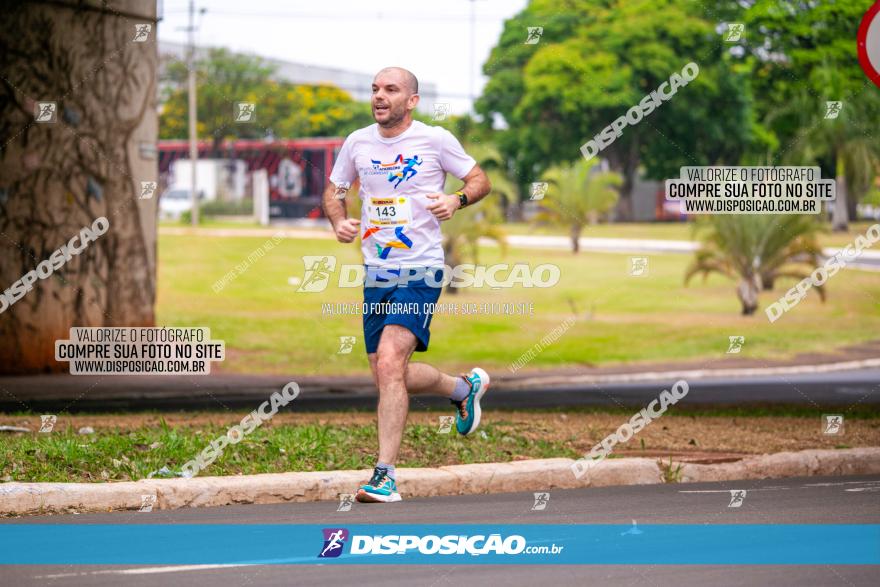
652	544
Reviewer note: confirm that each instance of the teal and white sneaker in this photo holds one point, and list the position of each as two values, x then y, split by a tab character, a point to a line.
380	488
468	417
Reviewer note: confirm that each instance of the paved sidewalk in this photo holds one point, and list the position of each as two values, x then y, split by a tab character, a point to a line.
868	260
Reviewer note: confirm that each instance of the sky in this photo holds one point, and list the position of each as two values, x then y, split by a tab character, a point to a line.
432	38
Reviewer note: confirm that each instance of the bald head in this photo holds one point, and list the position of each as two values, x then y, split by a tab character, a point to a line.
404	78
395	96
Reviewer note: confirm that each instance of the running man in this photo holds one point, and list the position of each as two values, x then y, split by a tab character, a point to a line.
407	171
402	246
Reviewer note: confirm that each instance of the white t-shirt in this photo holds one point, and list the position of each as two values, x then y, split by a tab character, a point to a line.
396	175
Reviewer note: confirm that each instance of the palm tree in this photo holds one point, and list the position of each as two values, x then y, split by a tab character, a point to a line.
462	232
504	190
577	196
467	226
756	250
844	142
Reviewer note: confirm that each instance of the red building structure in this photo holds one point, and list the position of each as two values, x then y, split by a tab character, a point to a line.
298	168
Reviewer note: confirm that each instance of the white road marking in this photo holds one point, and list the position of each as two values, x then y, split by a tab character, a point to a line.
837	483
871	486
728	490
145	570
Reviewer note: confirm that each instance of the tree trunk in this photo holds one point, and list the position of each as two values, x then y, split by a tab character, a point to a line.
747	291
627	163
60	176
575	238
852	203
624	211
453	258
840	207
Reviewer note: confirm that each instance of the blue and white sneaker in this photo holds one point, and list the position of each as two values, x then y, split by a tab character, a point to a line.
468	417
380	488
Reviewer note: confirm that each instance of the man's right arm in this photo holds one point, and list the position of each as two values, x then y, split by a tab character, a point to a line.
346	229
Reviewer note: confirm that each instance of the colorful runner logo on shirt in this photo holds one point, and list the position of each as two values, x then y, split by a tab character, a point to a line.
399	170
403	242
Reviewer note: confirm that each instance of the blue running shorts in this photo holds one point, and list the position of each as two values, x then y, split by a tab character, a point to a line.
405	302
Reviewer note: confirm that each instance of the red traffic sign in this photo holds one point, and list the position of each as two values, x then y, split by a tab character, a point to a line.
869	43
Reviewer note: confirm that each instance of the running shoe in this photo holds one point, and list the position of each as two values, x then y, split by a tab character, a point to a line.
380	488
468	410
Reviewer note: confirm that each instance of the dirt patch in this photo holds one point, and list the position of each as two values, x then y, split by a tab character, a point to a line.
697	437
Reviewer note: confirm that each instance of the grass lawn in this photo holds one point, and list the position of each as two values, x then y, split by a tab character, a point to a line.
131	446
270	328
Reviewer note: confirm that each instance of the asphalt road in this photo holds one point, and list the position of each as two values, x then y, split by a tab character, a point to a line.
842	388
839	500
59	393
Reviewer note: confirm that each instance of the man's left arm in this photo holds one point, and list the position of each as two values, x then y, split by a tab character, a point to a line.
476	187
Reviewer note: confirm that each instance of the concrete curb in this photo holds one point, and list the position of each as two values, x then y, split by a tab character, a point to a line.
805	463
531	475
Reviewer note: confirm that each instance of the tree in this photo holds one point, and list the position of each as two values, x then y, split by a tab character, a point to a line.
845	143
60	177
314	111
223	78
756	250
505	192
577	195
462	232
803	54
595	61
282	109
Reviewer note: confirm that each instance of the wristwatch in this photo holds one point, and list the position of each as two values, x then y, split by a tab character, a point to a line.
462	198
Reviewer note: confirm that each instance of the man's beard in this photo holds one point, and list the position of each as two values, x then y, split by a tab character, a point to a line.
395	117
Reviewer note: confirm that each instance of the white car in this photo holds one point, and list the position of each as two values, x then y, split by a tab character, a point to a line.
175	201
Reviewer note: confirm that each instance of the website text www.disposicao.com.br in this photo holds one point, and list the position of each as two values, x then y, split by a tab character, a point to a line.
451	544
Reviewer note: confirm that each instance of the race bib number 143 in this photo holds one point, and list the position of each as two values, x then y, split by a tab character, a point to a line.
390	211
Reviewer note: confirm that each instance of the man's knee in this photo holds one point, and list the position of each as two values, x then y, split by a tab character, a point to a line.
390	363
392	356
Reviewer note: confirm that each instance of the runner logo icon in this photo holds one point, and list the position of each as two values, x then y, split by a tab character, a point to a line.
334	541
318	270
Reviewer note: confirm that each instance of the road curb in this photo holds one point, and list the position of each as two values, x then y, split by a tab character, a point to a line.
530	475
805	463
